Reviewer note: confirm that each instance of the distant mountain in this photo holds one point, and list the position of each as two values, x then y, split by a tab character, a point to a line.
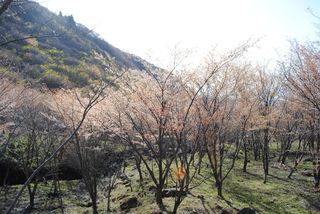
41	47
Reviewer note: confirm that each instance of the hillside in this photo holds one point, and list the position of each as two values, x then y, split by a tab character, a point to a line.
58	51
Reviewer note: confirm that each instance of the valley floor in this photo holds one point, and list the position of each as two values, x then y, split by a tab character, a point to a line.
279	195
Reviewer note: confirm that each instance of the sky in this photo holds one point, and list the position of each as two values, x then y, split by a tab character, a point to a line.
151	28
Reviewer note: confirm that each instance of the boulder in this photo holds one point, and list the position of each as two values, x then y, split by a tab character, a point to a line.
152	188
247	210
172	192
88	204
194	211
222	210
307	173
129	203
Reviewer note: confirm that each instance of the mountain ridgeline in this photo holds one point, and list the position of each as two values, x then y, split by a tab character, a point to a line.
41	47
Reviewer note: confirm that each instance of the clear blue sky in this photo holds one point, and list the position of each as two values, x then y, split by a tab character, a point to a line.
151	27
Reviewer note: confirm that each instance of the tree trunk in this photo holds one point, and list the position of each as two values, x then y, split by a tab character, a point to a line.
108	199
265	155
94	206
159	199
284	157
256	150
138	165
200	163
318	142
60	197
265	178
293	169
245	161
219	188
316	175
280	157
32	193
264	163
266	151
176	206
297	161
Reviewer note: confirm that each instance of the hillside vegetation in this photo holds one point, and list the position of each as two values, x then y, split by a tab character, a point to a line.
43	47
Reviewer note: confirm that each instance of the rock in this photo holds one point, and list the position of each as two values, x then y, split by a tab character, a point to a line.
194	211
201	197
123	177
129	203
225	211
219	207
53	195
28	209
307	173
308	160
152	188
89	204
172	192
247	210
222	210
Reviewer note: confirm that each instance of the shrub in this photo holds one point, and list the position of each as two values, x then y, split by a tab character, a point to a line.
53	79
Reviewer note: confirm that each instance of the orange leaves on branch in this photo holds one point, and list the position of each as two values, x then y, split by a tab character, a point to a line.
180	173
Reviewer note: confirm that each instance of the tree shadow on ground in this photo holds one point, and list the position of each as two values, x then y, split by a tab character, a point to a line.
230	204
278	178
313	200
205	204
254	199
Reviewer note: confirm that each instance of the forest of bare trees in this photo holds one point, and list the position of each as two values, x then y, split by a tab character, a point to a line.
226	112
178	128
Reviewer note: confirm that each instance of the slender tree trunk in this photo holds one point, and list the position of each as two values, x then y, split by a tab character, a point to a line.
296	163
159	199
176	206
280	157
245	161
266	145
200	163
138	165
31	203
318	142
108	199
32	192
265	155
94	206
60	196
284	157
316	174
256	150
219	188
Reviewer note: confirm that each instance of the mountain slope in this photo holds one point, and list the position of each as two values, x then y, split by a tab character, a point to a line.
43	47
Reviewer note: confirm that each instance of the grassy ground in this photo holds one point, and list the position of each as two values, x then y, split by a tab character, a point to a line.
279	195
